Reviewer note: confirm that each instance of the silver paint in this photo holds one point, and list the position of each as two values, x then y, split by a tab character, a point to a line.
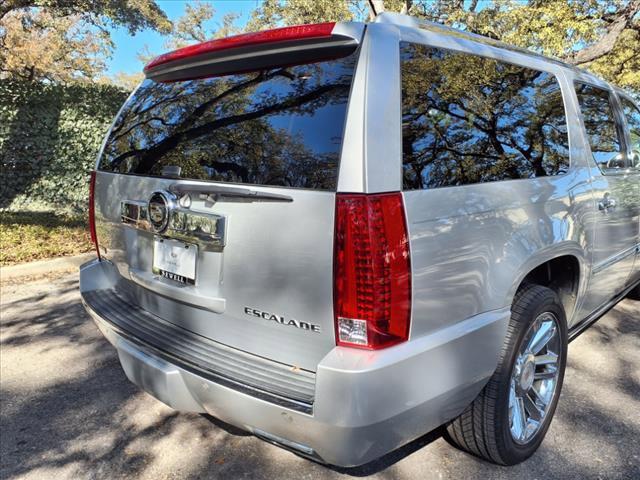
354	419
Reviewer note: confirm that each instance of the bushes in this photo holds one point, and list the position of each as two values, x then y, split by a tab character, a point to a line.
28	236
49	139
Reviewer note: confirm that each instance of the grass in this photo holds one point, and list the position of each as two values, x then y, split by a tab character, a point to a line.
29	236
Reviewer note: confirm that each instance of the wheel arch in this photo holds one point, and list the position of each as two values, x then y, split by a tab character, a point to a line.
561	267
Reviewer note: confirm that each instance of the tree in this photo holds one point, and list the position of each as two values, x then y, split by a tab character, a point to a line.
65	41
195	27
135	15
272	13
191	27
37	46
600	35
124	80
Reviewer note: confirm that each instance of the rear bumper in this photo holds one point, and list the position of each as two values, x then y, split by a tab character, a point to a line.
366	403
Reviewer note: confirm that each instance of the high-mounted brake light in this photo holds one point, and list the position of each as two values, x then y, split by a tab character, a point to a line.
92	212
300	32
372	271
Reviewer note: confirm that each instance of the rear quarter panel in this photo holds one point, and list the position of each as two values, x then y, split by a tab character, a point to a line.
471	246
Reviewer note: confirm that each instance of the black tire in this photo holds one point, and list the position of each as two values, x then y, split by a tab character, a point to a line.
483	429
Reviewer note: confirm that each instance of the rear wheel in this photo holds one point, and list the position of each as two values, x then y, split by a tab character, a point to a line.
508	420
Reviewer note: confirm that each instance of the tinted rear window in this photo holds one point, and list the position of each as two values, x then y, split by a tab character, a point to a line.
468	119
602	127
279	127
632	114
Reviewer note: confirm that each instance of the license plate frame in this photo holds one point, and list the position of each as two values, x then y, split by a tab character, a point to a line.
175	260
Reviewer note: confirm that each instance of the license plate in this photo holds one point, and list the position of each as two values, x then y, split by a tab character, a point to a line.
175	260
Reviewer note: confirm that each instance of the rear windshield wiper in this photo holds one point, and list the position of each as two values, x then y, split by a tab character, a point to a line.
219	191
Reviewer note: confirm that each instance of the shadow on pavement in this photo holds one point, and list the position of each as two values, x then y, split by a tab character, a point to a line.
68	411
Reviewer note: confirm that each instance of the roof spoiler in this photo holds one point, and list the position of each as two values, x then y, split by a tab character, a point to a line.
256	51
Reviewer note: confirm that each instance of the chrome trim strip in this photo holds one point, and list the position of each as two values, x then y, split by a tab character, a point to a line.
593	317
205	229
135	213
298	447
615	259
217	191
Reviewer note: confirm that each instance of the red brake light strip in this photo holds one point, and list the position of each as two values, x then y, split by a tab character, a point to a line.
276	35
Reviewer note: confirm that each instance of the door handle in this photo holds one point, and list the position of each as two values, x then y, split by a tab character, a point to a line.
607	203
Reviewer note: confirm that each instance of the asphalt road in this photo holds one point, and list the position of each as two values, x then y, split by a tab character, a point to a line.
68	411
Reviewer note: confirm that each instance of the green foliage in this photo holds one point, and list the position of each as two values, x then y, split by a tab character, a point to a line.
622	65
49	138
272	13
65	41
28	236
135	15
601	36
190	27
196	25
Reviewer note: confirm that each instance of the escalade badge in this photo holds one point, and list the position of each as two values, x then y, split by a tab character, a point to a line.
254	312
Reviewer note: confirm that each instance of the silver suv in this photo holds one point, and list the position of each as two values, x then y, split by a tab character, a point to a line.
342	236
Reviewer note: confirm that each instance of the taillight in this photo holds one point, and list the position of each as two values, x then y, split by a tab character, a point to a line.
92	212
372	271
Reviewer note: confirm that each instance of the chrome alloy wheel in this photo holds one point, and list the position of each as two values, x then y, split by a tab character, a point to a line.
534	378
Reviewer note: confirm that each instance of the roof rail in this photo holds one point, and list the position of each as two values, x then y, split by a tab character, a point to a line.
413	22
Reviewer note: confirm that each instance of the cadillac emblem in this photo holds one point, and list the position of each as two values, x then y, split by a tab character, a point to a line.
159	208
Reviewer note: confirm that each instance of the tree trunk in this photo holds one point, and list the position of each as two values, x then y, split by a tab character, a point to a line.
375	7
406	5
606	43
7	6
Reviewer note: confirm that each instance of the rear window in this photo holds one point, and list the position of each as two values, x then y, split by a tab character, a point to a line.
632	114
468	119
602	127
279	127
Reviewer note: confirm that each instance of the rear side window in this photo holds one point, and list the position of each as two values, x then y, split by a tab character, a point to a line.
632	114
468	119
280	127
601	127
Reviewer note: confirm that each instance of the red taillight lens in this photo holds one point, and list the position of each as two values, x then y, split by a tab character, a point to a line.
299	32
372	271
92	212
